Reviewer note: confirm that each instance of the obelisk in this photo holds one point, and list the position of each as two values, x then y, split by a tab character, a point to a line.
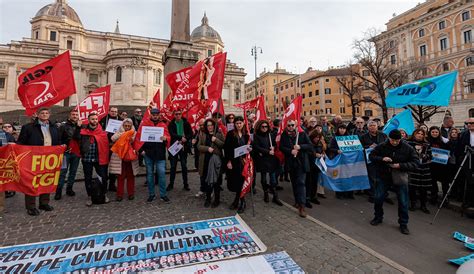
179	53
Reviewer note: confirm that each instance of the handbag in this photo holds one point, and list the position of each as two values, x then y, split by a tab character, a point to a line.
130	155
399	178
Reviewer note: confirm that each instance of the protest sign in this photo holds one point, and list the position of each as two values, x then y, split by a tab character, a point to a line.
175	148
349	143
152	134
367	153
440	156
148	249
469	242
279	262
113	125
242	150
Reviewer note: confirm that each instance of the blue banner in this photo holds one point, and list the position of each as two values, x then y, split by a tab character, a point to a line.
460	261
345	172
403	120
469	242
434	91
440	156
349	143
148	249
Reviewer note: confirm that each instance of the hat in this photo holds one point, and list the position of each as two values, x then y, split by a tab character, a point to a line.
395	134
154	111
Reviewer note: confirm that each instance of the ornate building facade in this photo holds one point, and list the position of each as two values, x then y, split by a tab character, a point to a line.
439	34
131	64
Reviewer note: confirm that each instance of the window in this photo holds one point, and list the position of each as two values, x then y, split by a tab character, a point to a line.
69	44
316	82
310	112
286	86
157	77
327	101
391	44
423	50
281	88
298	83
209	52
328	110
366	85
368	113
316	93
302	86
52	36
291	84
393	59
237	96
341	101
327	80
342	110
424	71
421	33
93	78
304	113
466	16
107	78
445	67
467	37
441	25
118	75
317	102
36	34
357	109
471	113
443	43
303	95
292	97
2	82
327	91
365	72
310	84
469	61
470	85
310	94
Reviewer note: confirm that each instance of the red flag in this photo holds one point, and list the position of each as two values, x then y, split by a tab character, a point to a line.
248	173
167	108
249	104
155	103
202	81
47	83
292	112
97	101
195	114
32	170
261	113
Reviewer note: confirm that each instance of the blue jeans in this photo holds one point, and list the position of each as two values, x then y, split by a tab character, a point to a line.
298	182
381	189
72	163
150	173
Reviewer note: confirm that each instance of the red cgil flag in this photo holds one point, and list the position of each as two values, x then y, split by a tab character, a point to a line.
47	83
248	173
195	114
202	81
261	113
98	101
154	103
292	112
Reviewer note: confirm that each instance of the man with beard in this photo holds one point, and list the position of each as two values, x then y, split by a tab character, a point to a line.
94	147
41	132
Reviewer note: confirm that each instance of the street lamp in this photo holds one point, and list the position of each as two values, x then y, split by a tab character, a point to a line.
254	54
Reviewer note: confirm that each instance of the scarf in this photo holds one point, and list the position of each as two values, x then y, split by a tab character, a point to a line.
99	136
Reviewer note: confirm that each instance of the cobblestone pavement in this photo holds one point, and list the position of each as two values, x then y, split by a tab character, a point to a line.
315	247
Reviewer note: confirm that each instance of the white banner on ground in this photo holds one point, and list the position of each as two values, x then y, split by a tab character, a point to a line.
148	249
279	262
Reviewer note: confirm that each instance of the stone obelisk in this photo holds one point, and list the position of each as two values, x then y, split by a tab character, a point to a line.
179	53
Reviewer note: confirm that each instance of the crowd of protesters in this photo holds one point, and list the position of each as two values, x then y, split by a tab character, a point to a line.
400	162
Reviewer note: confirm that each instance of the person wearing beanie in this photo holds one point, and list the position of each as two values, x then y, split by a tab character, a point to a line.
393	159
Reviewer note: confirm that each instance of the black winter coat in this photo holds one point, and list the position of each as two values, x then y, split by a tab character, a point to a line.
301	160
366	139
67	131
264	162
31	135
187	130
403	154
235	180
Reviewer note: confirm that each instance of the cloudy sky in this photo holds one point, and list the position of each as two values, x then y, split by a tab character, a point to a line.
296	33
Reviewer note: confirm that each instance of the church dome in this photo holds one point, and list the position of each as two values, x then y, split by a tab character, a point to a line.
60	9
205	31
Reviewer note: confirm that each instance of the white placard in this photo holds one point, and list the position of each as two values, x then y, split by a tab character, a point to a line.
152	134
241	151
230	126
175	148
113	125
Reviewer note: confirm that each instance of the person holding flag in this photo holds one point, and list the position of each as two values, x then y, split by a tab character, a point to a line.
41	132
236	138
295	146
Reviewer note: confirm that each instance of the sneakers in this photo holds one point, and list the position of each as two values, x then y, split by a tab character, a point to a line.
375	222
302	212
107	200
404	230
151	198
89	203
46	207
199	194
165	199
118	199
33	212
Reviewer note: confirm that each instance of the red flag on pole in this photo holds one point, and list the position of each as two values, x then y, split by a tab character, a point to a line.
155	103
97	101
248	173
195	114
47	83
202	81
261	112
292	112
249	104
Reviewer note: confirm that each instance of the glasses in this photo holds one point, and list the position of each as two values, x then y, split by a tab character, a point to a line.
291	125
7	126
469	123
264	126
359	122
176	114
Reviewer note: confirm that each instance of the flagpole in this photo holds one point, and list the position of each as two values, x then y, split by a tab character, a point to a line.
77	105
297	136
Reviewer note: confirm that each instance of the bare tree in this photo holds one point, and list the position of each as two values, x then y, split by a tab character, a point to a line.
351	87
374	57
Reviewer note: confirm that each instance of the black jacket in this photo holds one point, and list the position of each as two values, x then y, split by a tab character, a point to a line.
301	160
136	121
187	130
31	135
103	123
358	132
367	141
156	151
235	179
264	162
67	131
403	154
463	141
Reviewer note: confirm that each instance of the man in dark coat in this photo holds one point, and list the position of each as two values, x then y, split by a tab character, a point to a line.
296	146
393	157
180	131
41	132
466	142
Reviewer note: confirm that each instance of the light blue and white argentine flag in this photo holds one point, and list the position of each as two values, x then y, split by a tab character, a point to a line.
434	91
440	156
347	171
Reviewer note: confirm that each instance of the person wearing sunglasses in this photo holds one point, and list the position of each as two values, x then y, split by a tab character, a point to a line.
296	146
265	160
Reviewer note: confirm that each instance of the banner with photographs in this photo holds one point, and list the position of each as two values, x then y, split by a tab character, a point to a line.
147	249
